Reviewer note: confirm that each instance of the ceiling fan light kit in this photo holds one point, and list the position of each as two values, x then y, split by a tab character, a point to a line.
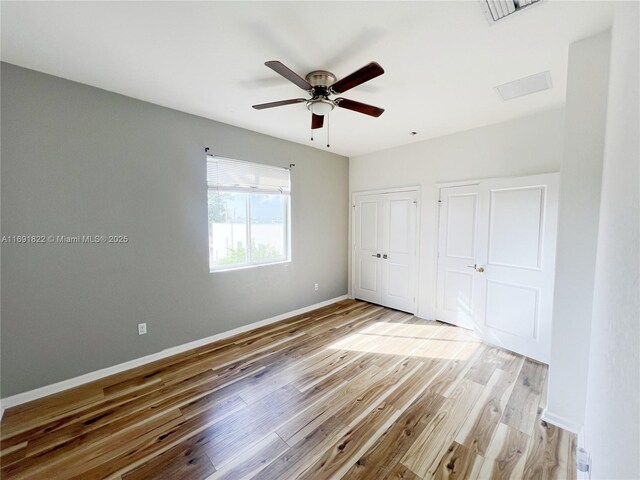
321	84
321	106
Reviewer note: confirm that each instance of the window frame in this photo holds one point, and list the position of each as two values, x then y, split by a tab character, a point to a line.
249	192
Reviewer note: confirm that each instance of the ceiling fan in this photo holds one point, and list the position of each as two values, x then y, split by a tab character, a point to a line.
321	84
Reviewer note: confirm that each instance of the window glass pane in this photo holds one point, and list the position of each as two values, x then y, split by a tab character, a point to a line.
227	228
268	227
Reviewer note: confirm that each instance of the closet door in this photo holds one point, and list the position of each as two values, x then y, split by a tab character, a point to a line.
496	261
367	236
458	284
518	257
399	247
385	249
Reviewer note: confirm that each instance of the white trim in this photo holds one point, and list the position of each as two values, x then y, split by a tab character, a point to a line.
560	421
581	444
1	409
31	395
581	440
461	183
476	181
248	265
377	191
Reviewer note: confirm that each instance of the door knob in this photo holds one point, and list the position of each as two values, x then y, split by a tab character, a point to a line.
476	268
385	256
376	255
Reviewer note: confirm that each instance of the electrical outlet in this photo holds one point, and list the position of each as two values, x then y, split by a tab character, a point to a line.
315	287
142	329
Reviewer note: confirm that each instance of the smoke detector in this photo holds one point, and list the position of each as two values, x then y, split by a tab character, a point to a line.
496	10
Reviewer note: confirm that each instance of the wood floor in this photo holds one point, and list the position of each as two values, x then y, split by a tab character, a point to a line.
352	390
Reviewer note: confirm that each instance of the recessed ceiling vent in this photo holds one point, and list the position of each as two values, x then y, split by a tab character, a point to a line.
525	86
496	10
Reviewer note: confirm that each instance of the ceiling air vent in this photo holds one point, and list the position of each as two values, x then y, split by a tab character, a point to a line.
495	10
524	86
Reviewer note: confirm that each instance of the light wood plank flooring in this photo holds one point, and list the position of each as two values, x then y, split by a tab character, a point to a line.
352	390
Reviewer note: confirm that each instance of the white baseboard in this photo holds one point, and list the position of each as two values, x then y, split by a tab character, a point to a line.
31	395
560	421
581	444
581	440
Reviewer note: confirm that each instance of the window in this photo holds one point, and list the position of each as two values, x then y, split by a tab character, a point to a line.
248	207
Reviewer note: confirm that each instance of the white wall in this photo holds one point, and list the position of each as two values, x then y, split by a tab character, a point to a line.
612	421
524	146
585	114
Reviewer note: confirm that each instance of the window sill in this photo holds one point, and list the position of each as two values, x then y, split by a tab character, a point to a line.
246	267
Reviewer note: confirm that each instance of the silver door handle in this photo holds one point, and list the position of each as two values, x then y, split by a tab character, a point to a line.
476	268
376	255
385	256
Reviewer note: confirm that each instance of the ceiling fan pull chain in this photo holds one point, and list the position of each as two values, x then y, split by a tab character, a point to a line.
312	134
328	131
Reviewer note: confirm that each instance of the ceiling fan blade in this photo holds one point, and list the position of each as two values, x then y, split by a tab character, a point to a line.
316	121
289	74
359	107
358	77
279	104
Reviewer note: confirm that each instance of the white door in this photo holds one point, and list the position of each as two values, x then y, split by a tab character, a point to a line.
385	249
457	285
511	292
367	237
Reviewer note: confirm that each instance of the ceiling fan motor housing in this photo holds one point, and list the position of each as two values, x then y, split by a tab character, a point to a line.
321	78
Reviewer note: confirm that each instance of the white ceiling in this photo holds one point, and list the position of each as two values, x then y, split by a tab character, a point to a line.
442	59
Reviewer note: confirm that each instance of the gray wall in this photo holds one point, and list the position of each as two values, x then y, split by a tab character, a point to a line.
79	160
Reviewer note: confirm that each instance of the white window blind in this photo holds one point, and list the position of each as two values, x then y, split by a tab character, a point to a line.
226	174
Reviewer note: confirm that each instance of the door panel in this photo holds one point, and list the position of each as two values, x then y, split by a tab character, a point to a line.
368	239
515	227
368	275
458	291
461	225
398	282
399	228
512	309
